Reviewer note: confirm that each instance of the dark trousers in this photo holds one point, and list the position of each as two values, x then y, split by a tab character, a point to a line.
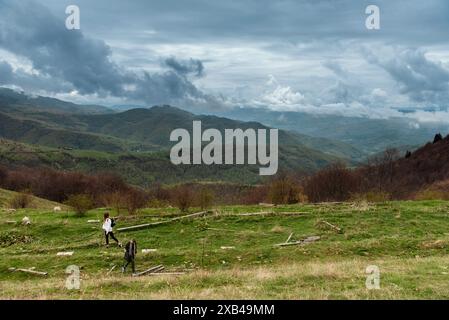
107	234
133	265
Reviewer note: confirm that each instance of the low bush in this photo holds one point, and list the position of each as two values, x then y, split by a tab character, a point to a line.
182	197
432	195
205	198
81	203
371	196
21	200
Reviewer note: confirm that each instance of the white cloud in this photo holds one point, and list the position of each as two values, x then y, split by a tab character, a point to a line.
283	97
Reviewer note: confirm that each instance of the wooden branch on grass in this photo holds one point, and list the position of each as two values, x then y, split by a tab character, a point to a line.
151	270
254	214
305	241
167	274
148	225
331	225
39	273
157	271
112	269
268	213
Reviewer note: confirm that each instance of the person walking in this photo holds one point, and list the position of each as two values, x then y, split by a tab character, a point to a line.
108	224
130	255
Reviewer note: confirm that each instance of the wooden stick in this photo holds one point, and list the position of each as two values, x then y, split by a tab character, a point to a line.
290	213
39	273
254	214
147	225
147	271
311	239
289	237
266	213
289	244
305	241
167	274
112	269
331	225
158	270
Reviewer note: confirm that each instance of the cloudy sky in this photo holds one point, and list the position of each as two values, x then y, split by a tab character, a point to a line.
207	55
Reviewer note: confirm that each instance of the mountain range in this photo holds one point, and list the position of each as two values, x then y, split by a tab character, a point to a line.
135	143
368	135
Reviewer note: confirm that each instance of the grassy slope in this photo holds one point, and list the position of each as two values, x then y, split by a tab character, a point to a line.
37	203
39	132
146	168
409	241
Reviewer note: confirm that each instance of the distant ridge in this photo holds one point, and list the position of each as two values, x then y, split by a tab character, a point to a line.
423	168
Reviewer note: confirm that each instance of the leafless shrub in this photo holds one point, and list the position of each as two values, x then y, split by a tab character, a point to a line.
182	197
81	203
21	200
334	183
205	198
284	190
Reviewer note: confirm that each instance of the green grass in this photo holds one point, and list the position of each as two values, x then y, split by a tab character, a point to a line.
409	241
36	202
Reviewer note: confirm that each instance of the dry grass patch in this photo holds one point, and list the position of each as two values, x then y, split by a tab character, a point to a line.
345	279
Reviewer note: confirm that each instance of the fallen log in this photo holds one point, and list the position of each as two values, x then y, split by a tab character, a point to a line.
153	224
295	243
290	213
65	254
254	214
162	268
331	225
138	274
311	239
167	274
39	273
263	213
146	251
269	205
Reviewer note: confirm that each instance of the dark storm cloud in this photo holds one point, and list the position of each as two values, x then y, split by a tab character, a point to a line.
30	30
408	21
243	42
185	67
420	78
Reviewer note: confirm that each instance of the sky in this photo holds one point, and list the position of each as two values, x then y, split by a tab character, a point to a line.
207	56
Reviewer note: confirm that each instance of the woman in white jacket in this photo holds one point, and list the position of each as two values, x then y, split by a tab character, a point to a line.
107	227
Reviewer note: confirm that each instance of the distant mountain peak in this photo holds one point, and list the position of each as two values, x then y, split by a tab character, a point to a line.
170	109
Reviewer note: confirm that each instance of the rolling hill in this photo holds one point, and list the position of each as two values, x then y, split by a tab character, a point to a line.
425	168
20	101
148	127
368	135
36	203
134	143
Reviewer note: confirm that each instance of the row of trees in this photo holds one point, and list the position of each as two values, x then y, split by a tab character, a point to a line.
336	182
84	192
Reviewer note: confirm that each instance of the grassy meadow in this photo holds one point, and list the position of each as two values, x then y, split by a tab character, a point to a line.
229	255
